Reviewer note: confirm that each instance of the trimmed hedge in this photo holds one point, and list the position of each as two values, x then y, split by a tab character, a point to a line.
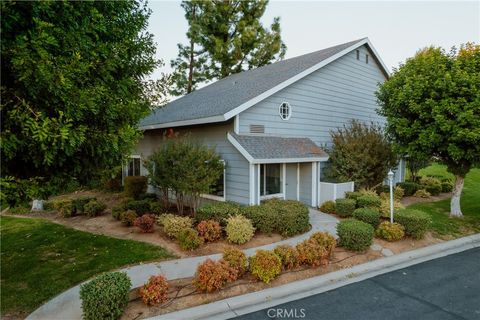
218	211
355	235
344	207
173	225
288	255
416	222
291	216
94	208
79	204
409	187
368	215
447	186
135	186
64	207
369	201
264	218
353	195
105	296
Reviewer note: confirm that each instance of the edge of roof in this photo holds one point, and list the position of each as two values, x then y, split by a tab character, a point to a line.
244	106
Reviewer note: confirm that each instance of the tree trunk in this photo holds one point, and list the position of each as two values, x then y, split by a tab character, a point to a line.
455	210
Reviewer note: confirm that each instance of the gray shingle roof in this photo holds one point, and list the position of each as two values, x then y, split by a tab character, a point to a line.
226	94
272	147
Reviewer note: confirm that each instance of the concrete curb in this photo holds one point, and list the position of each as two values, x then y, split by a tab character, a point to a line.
235	306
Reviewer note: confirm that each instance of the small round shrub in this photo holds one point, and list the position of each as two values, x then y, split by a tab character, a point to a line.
128	217
145	223
236	259
344	207
188	239
264	218
422	193
311	253
355	235
368	215
409	187
209	230
447	186
265	265
94	208
156	208
135	186
105	296
117	212
218	211
326	240
434	189
353	195
291	216
385	207
288	255
173	225
161	218
416	222
64	207
328	207
139	206
369	201
431	185
239	229
213	275
80	202
390	231
155	291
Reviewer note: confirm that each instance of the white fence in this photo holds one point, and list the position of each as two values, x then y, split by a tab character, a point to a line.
332	191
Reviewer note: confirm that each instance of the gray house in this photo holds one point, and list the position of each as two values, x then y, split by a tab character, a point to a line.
268	124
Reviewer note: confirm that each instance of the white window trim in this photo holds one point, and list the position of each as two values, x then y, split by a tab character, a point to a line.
282	183
272	196
125	167
218	198
289	111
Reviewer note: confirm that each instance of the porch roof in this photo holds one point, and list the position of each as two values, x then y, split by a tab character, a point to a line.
274	149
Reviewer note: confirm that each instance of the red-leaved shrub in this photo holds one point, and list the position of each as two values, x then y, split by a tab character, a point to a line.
288	255
326	240
209	230
236	259
312	253
146	223
213	275
155	291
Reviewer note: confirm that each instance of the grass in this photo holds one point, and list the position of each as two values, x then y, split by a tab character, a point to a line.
40	259
444	226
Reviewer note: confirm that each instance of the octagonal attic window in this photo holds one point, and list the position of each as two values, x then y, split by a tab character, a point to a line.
285	111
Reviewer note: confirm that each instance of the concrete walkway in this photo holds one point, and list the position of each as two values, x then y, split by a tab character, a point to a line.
67	305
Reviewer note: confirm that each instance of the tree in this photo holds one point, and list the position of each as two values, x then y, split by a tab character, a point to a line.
225	37
361	153
72	85
432	106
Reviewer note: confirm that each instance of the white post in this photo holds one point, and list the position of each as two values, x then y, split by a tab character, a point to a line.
390	182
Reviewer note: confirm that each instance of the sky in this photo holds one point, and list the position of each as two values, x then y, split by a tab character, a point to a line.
397	29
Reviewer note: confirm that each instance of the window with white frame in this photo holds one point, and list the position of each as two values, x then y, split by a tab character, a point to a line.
270	179
133	166
217	190
285	111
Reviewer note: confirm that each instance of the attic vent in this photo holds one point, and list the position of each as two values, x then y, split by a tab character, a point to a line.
257	128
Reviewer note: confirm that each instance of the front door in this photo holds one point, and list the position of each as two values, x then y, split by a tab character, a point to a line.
291	183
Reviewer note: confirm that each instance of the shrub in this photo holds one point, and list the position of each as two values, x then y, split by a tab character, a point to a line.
288	255
344	207
236	259
105	296
209	230
264	218
447	186
218	211
139	206
48	206
128	217
326	240
353	195
291	216
416	222
145	223
385	207
79	204
432	185
213	275
311	253
64	207
368	215
188	239
161	218
156	208
409	187
135	186
328	207
390	231
369	192
239	229
265	265
117	211
422	193
173	225
355	235
434	189
155	291
94	208
151	197
369	201
398	193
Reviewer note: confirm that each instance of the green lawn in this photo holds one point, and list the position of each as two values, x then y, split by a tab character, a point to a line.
443	225
40	259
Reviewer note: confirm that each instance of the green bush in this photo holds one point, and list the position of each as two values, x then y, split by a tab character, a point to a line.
128	218
264	218
139	206
188	239
447	186
156	208
353	195
409	187
79	204
431	185
173	225
48	206
117	212
368	215
265	265
328	207
344	207
94	208
150	196
239	229
385	207
64	207
416	222
355	235
135	186
422	193
105	296
369	201
291	216
218	211
390	231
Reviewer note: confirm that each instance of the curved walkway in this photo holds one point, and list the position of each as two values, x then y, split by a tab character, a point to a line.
67	305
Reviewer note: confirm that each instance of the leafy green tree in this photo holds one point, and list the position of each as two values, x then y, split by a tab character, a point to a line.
432	106
225	37
361	153
72	85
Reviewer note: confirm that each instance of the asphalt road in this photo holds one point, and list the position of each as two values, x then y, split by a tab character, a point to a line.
444	288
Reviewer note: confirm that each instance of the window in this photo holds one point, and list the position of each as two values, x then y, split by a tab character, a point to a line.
358	54
285	111
133	166
270	181
217	190
366	58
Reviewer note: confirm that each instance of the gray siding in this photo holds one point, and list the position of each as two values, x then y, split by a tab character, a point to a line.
215	136
322	101
306	183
